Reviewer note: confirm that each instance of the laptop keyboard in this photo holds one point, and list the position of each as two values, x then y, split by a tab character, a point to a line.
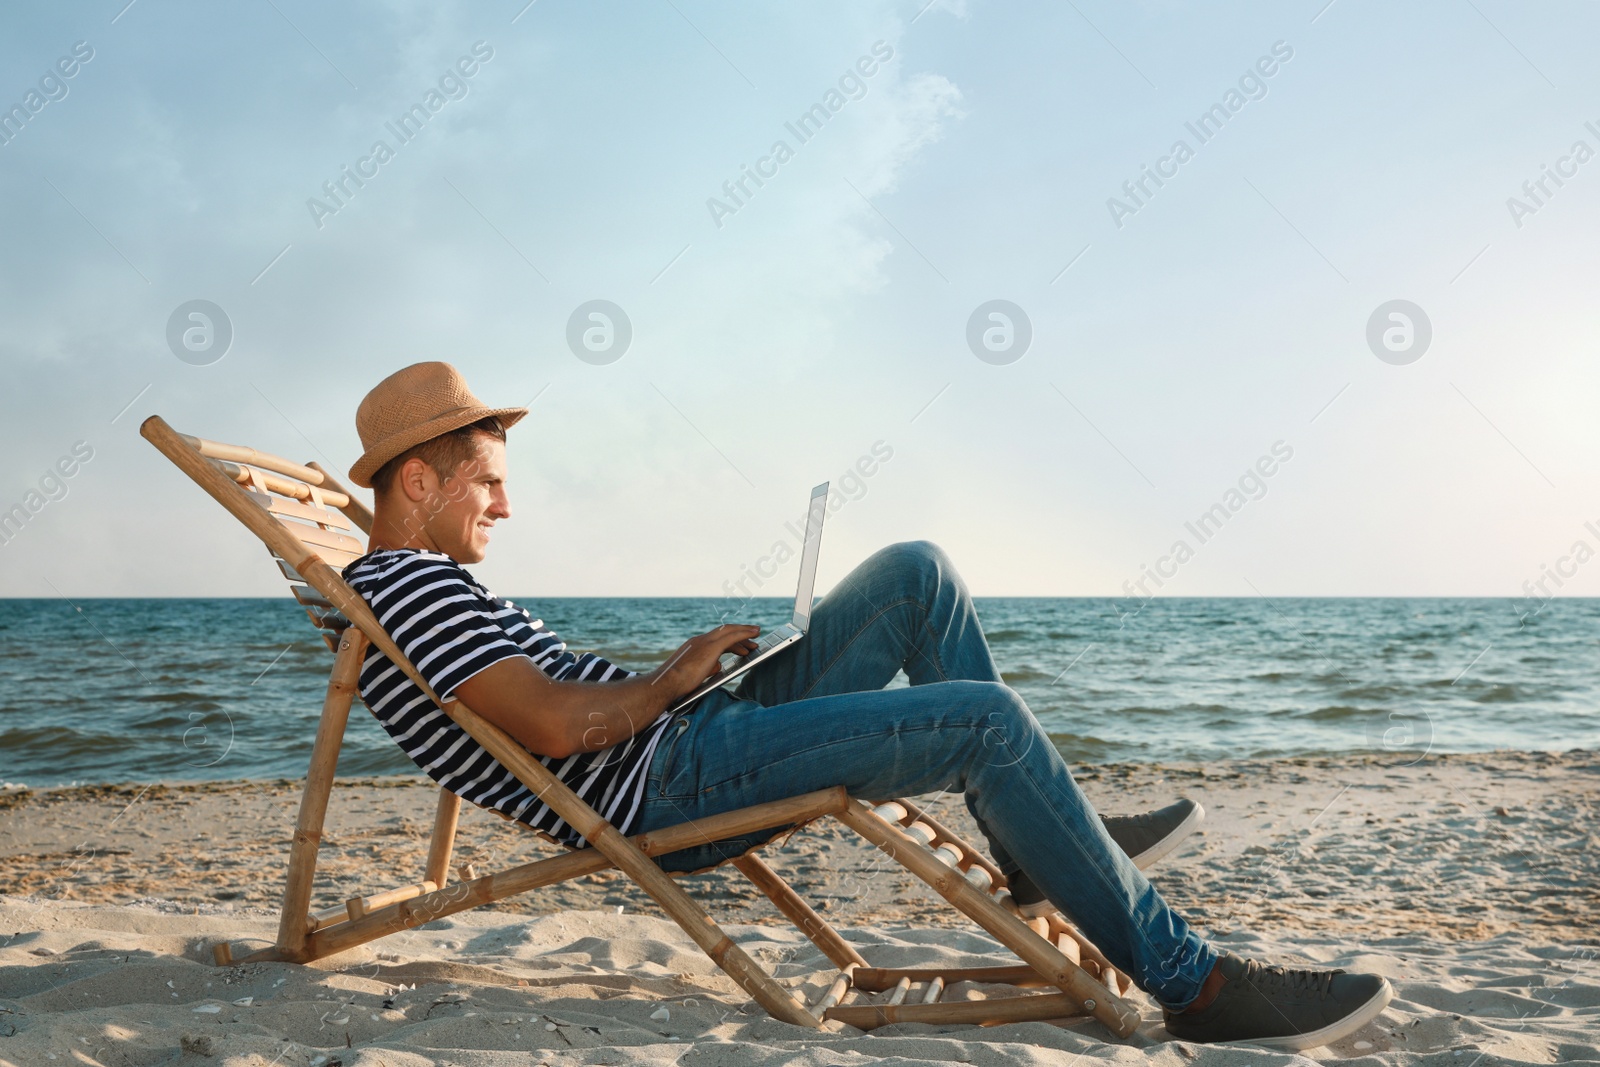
729	660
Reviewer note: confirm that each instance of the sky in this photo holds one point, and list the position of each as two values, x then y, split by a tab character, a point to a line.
1353	323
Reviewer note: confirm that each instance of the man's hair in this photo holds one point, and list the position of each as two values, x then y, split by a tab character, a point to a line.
445	453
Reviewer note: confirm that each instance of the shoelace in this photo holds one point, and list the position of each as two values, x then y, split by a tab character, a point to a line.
1319	983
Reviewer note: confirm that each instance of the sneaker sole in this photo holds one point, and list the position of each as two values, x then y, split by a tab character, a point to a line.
1162	848
1333	1031
1041	909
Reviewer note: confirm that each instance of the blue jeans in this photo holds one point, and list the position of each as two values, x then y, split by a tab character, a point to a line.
817	715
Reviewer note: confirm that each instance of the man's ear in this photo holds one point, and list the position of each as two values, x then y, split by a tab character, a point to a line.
416	480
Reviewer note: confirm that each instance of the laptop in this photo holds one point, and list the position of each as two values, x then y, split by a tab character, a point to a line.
769	645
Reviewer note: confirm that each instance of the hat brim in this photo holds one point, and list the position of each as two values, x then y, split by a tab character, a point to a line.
383	451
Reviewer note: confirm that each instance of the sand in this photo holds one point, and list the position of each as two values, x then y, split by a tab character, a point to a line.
1471	882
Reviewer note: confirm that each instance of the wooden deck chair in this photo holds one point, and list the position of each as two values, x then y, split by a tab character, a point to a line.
305	518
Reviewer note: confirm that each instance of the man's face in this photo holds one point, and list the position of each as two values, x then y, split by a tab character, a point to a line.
457	513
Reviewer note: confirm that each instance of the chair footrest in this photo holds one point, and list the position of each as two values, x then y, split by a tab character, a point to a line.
877	979
1032	1008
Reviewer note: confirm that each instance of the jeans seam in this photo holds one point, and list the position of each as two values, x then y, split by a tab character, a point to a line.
938	664
668	757
830	743
1105	883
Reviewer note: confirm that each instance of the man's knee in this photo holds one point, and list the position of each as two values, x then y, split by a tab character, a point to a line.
1006	730
970	726
983	705
923	563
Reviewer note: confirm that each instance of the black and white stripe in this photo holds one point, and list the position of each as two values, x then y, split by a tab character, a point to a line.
451	628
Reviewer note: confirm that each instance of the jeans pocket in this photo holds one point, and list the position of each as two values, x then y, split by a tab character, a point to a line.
670	768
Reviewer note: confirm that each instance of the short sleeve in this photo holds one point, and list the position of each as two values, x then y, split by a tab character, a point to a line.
443	624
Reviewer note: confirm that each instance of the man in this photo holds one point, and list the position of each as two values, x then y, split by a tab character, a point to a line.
813	716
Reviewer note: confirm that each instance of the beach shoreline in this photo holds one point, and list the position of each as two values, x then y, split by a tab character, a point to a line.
1471	880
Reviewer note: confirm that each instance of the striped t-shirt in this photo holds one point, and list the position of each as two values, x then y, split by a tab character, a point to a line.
450	627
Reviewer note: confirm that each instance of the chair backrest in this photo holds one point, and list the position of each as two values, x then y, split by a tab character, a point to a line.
310	504
299	542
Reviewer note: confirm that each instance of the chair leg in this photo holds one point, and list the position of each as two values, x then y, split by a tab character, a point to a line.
692	918
445	819
797	911
294	923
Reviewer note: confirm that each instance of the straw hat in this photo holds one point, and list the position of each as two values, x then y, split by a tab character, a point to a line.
417	404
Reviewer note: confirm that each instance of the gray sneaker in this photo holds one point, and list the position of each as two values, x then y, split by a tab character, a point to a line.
1283	1009
1149	837
1145	838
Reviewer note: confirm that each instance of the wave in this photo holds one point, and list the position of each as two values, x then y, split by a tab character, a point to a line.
182	696
1340	712
1081	748
1377	692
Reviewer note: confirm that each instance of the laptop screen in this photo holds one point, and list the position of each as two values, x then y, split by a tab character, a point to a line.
808	555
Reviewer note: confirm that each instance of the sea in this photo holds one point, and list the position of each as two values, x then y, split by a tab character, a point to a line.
127	690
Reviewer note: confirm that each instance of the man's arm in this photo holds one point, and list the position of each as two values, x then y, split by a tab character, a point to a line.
558	719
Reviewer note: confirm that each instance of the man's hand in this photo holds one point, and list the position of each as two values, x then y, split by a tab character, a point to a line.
697	658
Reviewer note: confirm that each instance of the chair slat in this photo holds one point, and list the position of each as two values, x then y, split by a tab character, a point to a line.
310	597
287	486
295	509
244	454
319	538
876	979
331	556
327	620
355	508
336	559
833	994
